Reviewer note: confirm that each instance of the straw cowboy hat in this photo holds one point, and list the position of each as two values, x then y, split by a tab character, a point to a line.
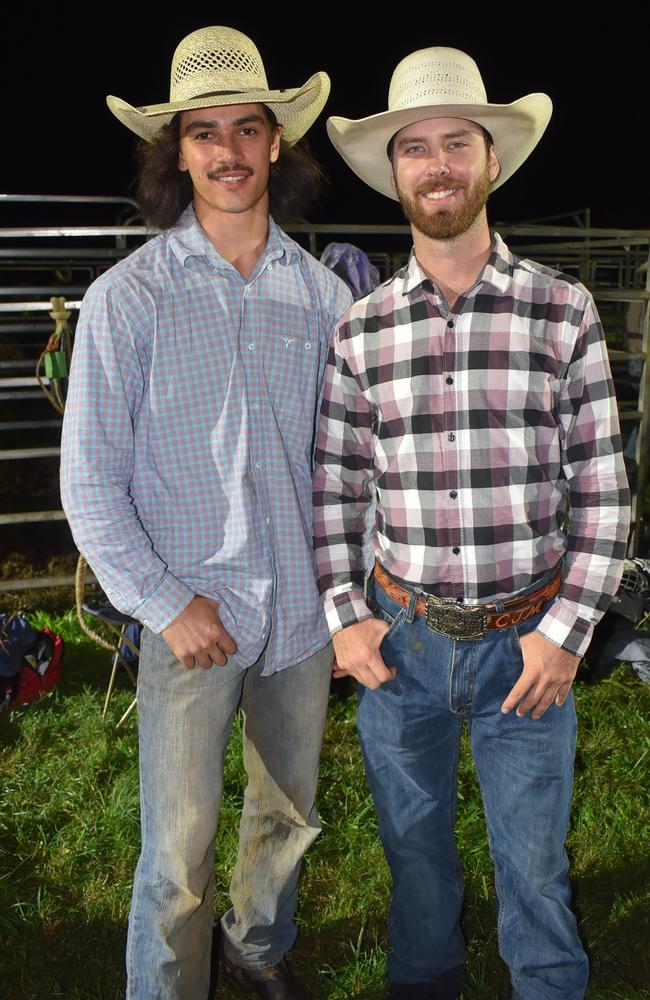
439	83
218	66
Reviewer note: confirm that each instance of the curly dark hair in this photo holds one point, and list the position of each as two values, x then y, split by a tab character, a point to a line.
163	191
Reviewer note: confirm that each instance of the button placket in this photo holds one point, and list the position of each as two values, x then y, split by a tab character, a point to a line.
252	380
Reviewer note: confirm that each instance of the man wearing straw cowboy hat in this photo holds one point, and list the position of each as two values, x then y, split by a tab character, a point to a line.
473	390
186	478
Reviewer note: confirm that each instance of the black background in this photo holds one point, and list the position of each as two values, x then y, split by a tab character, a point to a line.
59	62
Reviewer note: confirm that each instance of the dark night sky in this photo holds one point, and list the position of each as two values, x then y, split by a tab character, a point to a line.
61	138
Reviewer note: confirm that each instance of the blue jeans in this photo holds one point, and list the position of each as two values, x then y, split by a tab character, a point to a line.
185	719
410	732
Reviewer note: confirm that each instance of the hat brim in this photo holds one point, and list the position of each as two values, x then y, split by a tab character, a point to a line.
515	128
296	109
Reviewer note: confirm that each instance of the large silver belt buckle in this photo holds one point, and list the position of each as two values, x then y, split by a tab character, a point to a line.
454	621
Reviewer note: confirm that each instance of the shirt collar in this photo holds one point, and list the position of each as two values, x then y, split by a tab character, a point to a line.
500	268
497	273
188	240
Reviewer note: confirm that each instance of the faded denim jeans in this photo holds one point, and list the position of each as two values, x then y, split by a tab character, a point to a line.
410	734
185	719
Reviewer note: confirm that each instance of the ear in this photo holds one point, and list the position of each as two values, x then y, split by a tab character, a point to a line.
392	181
182	164
494	167
275	143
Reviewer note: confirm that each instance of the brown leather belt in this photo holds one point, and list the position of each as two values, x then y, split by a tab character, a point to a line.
461	621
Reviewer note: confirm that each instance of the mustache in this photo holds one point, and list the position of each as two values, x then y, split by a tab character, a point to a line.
428	186
241	168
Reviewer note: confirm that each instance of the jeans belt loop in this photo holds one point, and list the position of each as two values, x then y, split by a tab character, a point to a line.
410	611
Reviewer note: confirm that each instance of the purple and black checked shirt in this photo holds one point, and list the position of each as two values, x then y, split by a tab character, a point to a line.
188	436
480	427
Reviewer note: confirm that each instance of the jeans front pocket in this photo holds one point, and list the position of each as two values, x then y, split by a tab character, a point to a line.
516	631
384	616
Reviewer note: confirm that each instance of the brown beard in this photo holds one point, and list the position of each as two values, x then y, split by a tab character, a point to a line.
446	224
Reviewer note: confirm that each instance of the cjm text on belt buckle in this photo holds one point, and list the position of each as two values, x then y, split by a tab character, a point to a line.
454	621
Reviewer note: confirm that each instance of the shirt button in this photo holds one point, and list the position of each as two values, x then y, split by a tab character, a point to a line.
455	550
307	345
449	380
258	465
450	323
145	621
453	494
451	437
251	347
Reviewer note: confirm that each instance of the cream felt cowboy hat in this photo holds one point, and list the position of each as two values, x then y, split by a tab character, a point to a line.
218	66
439	83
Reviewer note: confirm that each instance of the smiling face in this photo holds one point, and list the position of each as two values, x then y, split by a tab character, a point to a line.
442	172
228	152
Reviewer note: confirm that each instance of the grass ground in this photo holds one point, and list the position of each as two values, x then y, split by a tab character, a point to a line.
69	842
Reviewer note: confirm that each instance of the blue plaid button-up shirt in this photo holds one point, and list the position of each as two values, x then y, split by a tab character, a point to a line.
188	436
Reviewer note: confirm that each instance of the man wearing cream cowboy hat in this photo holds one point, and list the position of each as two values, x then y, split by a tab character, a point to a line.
186	477
473	391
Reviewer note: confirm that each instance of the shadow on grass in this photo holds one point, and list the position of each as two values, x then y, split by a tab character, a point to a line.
346	957
87	665
613	908
613	911
75	960
84	960
10	731
54	705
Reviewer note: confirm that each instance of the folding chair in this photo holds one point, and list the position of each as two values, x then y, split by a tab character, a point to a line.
125	629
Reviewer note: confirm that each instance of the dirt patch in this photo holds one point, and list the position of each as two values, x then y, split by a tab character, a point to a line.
19	565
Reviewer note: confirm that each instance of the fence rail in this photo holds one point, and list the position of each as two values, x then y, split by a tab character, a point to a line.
610	261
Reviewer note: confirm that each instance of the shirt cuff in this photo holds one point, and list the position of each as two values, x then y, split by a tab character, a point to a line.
562	626
345	608
169	598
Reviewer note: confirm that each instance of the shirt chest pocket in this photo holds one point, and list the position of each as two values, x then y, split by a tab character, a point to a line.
293	367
